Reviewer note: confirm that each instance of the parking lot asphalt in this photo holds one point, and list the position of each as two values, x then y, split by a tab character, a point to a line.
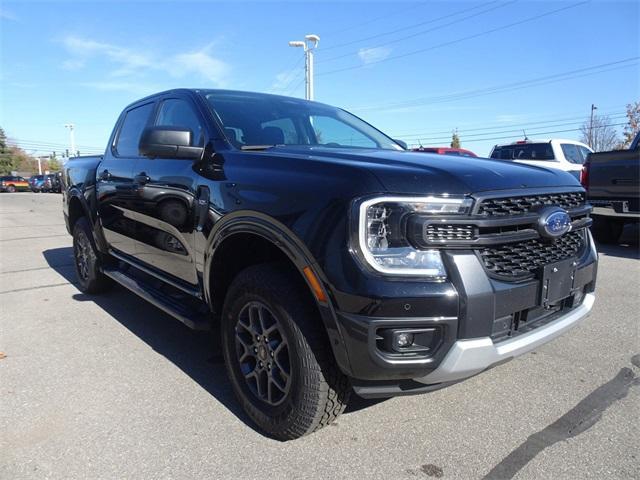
110	387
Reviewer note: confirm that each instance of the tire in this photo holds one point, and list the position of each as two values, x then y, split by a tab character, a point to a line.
315	392
86	260
607	230
11	189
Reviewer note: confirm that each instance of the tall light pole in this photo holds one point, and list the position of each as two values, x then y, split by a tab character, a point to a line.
593	107
309	44
72	140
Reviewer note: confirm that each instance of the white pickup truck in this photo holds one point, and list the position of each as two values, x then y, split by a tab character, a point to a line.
567	155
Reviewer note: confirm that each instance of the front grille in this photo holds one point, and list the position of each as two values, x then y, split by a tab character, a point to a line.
435	232
526	203
520	260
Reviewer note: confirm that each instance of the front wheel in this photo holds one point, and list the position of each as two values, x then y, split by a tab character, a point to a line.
11	189
87	262
277	355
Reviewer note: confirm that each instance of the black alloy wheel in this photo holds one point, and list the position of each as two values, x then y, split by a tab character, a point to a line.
263	353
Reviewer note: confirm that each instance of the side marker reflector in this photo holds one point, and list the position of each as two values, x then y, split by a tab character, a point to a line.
315	284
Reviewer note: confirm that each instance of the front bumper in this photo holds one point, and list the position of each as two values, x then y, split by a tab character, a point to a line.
473	313
472	356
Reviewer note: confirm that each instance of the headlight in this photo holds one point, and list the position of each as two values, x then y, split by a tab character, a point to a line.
382	235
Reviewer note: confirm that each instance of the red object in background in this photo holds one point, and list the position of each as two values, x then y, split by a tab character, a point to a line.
461	152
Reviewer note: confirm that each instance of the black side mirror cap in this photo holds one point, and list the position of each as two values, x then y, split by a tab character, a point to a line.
168	142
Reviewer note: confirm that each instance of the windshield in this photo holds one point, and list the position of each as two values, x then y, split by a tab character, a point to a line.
525	151
255	120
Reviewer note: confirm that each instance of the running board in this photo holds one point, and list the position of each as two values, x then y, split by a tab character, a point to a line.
192	319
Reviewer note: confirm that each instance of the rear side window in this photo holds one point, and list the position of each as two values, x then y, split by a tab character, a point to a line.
585	152
178	113
528	151
572	153
134	123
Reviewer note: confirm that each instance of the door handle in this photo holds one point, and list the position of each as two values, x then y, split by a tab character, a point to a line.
105	175
141	178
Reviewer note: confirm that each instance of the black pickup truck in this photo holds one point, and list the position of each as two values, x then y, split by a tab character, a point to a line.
612	182
329	258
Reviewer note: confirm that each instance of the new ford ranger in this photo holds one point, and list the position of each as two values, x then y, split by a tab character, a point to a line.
329	259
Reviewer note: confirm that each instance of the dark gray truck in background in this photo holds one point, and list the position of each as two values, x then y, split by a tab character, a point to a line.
612	181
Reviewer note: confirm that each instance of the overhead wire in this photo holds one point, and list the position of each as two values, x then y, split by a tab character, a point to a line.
459	40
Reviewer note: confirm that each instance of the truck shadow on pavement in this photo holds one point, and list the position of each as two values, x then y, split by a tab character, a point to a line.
196	353
628	247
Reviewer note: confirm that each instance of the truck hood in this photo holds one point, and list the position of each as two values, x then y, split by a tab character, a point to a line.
423	173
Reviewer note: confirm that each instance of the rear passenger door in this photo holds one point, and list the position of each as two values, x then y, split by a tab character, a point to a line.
166	191
115	188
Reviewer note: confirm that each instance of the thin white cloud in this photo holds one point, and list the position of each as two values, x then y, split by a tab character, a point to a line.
201	63
132	62
285	80
372	55
6	15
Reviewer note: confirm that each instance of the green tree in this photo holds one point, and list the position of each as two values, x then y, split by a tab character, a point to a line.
54	165
455	139
8	161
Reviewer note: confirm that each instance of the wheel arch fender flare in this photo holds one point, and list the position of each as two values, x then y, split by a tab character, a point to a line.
278	234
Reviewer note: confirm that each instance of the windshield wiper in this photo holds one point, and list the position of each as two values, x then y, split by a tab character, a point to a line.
256	147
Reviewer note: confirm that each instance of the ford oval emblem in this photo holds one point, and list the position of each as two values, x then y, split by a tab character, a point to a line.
554	223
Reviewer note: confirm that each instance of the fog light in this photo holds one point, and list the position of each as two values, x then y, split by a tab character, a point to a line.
403	340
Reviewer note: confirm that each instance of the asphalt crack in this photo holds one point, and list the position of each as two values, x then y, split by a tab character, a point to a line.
576	421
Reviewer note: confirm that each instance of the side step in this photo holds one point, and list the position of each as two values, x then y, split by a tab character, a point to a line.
190	317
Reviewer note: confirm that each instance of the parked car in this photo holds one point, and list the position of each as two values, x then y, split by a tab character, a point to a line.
12	183
40	183
567	155
461	152
612	181
330	259
54	182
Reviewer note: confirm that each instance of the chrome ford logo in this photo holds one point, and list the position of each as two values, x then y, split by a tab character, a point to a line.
553	223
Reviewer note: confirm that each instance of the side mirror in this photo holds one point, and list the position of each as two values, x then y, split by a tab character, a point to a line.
168	142
402	143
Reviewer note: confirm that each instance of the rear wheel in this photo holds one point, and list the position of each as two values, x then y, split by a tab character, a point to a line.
277	355
11	189
87	262
607	230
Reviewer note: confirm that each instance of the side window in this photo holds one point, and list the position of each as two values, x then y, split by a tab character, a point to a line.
178	113
571	153
328	130
134	123
585	152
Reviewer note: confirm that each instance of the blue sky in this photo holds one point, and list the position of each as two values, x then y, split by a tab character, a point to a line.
416	70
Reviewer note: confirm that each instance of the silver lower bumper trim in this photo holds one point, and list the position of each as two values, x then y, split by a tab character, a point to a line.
469	357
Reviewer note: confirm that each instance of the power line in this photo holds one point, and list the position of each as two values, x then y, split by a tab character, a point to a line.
459	40
404	28
608	111
568	75
293	75
297	85
518	131
492	128
423	32
382	17
535	133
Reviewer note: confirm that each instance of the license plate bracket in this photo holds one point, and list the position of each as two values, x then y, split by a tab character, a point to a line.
557	281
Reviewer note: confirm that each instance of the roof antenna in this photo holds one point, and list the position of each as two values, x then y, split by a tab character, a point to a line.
526	139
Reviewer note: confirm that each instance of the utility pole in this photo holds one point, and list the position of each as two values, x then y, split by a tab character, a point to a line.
309	44
72	140
593	107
